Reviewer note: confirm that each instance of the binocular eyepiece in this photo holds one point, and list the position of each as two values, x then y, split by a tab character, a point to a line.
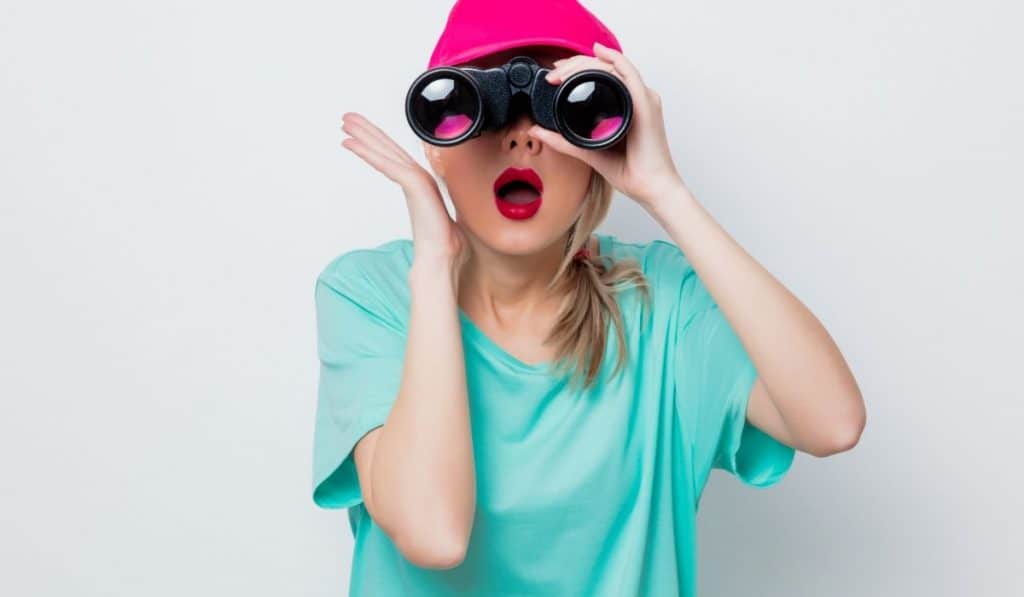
448	105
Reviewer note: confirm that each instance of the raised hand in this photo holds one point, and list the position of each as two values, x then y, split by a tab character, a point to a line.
435	235
644	170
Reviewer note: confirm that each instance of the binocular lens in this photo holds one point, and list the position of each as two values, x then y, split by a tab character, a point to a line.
593	109
445	107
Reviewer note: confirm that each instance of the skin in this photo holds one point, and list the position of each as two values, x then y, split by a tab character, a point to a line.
420	462
502	288
416	471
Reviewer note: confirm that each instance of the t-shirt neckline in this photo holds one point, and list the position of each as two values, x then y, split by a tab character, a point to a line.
544	368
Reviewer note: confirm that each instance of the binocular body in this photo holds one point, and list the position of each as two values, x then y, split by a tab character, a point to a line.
448	105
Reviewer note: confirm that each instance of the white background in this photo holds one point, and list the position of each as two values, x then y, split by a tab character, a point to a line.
172	182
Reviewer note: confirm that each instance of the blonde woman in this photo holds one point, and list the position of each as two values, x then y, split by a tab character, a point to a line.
514	404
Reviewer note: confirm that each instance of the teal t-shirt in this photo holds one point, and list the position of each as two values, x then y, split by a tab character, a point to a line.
590	492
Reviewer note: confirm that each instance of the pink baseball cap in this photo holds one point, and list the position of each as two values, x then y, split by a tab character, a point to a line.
480	27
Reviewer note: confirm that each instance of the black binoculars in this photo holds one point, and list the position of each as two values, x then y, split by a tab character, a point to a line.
448	105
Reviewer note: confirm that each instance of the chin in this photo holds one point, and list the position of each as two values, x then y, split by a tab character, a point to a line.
536	234
522	240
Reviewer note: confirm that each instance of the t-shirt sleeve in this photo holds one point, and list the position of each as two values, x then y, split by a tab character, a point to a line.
361	345
714	376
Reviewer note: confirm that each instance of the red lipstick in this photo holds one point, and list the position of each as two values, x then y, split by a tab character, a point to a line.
518	193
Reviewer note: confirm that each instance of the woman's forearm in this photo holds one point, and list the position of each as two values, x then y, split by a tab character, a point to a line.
423	477
807	377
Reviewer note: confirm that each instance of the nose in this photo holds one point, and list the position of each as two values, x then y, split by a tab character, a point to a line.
517	136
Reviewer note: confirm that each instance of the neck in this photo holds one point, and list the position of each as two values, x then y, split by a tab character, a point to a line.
511	289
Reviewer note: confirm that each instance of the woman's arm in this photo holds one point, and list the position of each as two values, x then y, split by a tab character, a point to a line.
805	396
416	471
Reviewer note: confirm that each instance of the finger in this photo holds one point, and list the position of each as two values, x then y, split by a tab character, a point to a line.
623	64
655	97
570	66
631	76
383	140
382	163
596	158
560	64
573	62
365	134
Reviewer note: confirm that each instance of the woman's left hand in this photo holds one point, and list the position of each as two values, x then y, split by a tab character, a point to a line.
644	171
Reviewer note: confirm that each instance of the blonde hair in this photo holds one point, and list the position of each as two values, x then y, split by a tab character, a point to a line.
590	285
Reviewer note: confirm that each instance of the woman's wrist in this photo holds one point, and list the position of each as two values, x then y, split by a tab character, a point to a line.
670	196
428	271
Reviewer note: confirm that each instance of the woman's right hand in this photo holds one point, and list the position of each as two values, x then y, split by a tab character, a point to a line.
436	237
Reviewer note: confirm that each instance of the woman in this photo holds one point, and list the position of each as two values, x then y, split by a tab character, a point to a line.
475	416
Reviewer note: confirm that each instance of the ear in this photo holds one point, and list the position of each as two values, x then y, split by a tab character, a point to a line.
433	155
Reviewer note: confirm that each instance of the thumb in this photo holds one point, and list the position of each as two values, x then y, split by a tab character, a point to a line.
597	159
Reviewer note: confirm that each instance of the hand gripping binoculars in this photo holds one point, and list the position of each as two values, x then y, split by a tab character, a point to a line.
447	105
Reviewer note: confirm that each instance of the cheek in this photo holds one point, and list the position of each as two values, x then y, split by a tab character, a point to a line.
568	183
470	171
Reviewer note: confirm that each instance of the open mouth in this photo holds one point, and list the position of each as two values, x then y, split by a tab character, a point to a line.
518	192
518	185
